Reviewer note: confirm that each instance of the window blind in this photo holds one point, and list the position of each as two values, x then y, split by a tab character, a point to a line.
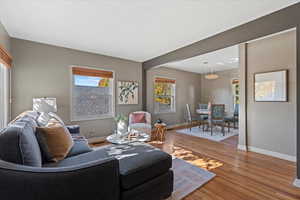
5	57
164	80
92	72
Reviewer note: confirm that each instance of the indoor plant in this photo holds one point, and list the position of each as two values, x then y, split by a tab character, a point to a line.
121	121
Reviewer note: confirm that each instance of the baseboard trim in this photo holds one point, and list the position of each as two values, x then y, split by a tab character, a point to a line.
296	183
272	153
242	147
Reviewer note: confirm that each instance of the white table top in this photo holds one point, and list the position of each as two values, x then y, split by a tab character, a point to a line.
117	139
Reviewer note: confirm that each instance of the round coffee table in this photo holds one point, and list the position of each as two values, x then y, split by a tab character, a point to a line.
117	139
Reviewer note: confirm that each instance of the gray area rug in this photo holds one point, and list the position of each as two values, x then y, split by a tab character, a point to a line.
217	134
188	178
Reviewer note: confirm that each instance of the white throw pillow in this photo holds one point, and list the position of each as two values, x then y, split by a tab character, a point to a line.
43	119
55	116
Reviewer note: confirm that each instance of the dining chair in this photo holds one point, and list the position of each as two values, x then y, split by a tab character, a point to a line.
234	119
217	117
203	106
191	119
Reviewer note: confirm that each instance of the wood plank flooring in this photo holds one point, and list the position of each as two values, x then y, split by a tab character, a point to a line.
240	176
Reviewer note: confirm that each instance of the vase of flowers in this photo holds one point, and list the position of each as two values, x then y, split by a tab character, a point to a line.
121	121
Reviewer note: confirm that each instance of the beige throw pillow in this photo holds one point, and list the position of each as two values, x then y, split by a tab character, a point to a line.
55	141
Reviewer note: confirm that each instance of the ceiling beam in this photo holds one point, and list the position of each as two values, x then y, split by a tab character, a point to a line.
281	20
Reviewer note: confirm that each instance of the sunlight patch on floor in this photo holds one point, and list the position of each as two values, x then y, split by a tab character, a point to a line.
190	157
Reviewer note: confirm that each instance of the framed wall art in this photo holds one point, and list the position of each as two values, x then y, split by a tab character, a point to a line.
128	92
271	86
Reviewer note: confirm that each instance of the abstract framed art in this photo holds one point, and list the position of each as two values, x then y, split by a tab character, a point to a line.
128	92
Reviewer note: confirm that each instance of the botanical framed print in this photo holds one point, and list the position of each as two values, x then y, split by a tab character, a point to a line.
271	86
128	92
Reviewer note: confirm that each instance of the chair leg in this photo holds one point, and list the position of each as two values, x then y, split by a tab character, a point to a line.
235	124
223	129
228	126
211	129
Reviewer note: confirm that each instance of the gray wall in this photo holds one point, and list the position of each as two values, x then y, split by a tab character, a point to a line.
187	92
271	125
43	71
4	38
219	91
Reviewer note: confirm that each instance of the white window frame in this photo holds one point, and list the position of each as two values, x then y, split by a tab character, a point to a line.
175	96
233	90
71	95
5	91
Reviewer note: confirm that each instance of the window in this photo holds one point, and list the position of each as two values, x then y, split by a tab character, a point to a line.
164	95
5	64
4	95
92	94
236	91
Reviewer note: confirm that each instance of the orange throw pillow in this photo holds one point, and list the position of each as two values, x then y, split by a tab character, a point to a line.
55	141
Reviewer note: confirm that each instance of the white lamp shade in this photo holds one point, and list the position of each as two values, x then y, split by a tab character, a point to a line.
44	105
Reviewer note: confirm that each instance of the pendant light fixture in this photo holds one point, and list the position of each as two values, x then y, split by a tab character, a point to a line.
211	75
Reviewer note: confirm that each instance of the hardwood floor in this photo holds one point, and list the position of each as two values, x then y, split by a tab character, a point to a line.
240	175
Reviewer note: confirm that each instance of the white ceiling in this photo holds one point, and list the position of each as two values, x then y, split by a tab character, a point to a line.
220	60
132	29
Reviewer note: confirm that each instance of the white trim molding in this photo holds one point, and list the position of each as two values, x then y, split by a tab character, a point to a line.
242	147
272	153
296	183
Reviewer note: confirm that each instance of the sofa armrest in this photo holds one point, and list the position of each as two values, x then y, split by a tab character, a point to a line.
94	180
73	129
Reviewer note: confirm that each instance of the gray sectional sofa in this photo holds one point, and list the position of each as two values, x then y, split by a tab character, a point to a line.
123	172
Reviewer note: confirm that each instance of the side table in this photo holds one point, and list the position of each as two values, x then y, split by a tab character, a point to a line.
160	131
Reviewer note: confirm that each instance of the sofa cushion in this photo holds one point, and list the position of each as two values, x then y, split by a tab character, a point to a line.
43	119
138	118
55	116
18	144
138	162
140	125
141	163
79	159
74	129
80	146
32	114
29	120
55	141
